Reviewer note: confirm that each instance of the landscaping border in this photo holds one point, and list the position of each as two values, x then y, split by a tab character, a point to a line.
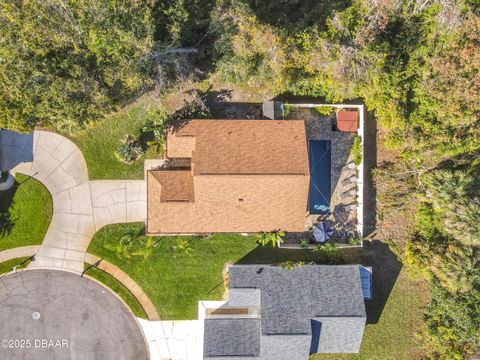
127	281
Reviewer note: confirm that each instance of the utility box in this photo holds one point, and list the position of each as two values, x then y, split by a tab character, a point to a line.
272	110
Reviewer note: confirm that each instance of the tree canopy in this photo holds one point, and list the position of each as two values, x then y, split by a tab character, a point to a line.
65	63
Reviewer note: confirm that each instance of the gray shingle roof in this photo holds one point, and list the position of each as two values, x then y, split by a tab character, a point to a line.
314	308
290	298
231	337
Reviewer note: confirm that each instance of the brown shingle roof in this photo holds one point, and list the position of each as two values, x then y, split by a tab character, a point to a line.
172	185
245	146
248	176
233	203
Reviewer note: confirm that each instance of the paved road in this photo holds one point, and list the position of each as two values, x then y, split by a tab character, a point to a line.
80	207
58	315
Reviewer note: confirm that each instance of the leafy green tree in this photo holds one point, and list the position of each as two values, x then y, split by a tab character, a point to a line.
66	63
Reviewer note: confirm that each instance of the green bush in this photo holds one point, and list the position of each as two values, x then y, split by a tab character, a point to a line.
129	149
357	150
324	110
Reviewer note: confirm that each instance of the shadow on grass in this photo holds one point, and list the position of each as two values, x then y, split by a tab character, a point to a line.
6	202
376	254
7	222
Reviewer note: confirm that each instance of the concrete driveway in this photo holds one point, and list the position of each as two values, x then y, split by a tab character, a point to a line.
49	314
80	207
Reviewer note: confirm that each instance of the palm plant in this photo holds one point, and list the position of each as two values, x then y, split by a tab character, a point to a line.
129	149
132	244
458	268
446	186
274	238
155	134
122	248
463	221
147	248
183	247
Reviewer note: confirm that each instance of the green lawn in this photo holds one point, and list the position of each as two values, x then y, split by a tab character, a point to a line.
7	266
26	211
175	282
99	143
118	288
394	336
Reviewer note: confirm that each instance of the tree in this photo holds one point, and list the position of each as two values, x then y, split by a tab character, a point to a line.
69	62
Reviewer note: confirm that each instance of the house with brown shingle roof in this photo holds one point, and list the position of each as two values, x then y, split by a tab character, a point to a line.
231	176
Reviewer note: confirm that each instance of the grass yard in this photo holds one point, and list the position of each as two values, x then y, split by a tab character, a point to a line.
175	282
25	213
7	266
394	336
99	143
118	288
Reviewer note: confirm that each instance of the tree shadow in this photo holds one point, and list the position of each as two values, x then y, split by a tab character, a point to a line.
370	162
221	107
7	222
376	254
295	15
385	270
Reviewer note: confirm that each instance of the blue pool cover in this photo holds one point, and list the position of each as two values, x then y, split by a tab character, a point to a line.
320	157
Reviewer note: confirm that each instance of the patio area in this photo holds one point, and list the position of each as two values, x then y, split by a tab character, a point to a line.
342	215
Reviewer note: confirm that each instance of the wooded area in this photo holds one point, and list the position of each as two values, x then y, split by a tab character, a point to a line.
64	64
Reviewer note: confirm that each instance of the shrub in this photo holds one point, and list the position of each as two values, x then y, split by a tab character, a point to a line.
129	149
324	110
303	243
356	240
328	252
357	150
274	238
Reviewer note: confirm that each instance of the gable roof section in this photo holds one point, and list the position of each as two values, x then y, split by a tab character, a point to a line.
172	185
309	309
231	337
243	146
290	298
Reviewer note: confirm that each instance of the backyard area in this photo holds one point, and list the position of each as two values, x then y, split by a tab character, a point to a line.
25	213
179	271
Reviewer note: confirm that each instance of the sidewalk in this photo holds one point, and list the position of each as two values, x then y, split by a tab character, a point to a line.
127	281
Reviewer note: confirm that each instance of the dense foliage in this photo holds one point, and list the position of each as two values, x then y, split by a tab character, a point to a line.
445	248
64	63
416	64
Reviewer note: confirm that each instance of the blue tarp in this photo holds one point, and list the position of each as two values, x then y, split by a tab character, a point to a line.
320	157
